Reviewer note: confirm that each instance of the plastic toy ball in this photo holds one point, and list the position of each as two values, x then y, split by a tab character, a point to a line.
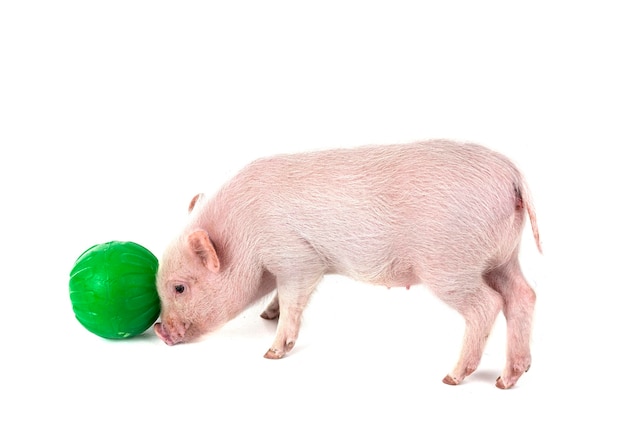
113	289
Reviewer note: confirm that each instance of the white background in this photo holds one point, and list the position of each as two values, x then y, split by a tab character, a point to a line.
114	114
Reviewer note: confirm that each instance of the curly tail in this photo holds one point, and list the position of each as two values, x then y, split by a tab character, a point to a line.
525	200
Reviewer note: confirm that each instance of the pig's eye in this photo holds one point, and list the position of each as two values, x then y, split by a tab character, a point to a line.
179	288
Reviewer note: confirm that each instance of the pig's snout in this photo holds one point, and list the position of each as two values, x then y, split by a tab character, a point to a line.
163	334
170	335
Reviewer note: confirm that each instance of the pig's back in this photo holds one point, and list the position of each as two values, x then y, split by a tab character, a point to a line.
385	214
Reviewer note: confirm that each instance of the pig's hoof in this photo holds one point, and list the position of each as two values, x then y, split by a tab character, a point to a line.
449	380
269	314
500	384
512	377
274	354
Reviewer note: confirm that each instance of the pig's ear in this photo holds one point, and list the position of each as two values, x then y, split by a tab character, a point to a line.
201	245
193	201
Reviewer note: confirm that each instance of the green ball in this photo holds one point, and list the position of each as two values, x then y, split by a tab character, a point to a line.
113	289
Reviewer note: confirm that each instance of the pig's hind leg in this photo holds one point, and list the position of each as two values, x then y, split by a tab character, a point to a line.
292	296
479	305
519	302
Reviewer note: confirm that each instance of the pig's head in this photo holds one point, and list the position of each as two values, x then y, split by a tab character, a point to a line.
187	280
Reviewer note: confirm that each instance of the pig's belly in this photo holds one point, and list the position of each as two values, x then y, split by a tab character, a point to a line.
393	275
403	280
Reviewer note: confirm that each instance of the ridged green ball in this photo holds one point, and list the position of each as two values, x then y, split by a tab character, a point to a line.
113	289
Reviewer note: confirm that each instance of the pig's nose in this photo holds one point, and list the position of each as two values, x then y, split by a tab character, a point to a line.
163	334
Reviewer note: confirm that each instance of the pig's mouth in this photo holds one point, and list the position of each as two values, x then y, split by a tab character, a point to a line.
172	333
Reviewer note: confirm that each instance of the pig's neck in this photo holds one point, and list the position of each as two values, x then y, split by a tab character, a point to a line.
243	280
244	286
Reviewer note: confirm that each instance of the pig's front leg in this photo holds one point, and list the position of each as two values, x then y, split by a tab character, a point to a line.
291	297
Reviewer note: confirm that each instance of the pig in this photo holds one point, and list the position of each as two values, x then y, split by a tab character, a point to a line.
445	214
